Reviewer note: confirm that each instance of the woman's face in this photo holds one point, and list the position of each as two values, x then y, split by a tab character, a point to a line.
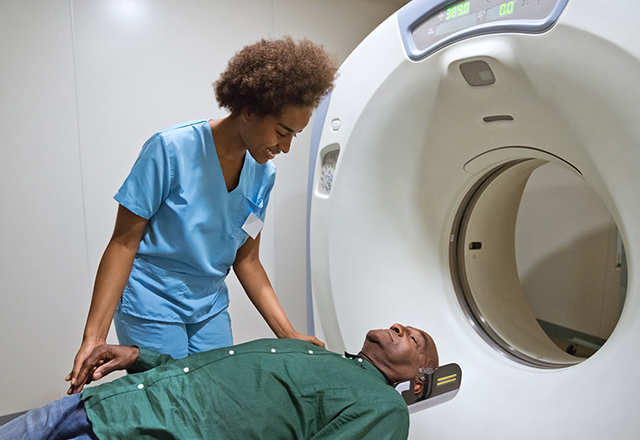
267	136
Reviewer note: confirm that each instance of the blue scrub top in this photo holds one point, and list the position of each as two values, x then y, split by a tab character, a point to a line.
195	224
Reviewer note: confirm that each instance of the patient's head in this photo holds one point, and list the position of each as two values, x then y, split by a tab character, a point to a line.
402	353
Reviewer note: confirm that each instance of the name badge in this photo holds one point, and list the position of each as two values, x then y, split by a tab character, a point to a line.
253	225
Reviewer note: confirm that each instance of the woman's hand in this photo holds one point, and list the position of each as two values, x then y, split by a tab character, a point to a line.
84	352
103	360
308	338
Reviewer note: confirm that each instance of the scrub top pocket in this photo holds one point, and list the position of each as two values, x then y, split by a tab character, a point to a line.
160	295
247	207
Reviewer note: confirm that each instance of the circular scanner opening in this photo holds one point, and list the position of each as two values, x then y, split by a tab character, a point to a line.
538	263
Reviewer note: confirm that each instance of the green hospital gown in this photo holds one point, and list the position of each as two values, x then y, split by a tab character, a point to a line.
265	389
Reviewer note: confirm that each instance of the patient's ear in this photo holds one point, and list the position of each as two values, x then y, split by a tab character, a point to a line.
418	386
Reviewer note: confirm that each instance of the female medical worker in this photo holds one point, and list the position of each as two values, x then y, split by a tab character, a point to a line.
193	205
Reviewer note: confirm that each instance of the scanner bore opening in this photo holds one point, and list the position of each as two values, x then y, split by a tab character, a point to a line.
485	271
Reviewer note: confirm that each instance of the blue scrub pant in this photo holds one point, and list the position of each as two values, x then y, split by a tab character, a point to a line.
64	419
176	339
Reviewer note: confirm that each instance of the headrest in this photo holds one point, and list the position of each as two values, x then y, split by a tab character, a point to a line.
442	385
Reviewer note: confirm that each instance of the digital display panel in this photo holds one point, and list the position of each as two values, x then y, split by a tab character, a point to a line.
465	17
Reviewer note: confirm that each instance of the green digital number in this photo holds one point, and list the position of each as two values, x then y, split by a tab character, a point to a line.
458	10
506	8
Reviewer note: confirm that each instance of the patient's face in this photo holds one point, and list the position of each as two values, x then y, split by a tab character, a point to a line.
399	351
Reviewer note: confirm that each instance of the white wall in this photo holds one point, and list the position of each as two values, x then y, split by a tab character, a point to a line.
82	85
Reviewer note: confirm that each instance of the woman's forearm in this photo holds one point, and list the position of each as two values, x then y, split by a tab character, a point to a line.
111	279
255	282
113	272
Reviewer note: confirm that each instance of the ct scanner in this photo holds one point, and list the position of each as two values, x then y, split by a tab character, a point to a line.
418	165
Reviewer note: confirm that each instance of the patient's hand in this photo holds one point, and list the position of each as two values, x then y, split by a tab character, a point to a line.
103	360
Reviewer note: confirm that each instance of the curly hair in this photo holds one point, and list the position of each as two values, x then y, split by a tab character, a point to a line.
273	73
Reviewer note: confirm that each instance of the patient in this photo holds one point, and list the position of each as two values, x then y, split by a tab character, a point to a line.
265	389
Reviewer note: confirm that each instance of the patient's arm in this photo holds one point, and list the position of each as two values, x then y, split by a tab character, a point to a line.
103	360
